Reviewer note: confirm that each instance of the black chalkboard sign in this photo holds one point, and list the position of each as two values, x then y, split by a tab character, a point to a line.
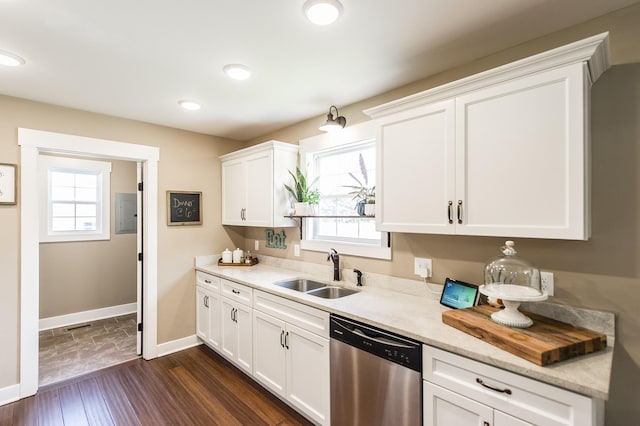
184	208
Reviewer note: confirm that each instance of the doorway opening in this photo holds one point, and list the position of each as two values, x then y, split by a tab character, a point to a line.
32	144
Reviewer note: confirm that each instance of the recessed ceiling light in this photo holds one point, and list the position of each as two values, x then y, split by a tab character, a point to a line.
322	12
237	71
190	105
9	59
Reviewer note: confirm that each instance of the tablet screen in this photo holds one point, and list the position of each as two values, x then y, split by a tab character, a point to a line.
458	294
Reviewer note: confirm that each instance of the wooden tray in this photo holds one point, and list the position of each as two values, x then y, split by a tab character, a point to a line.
254	261
545	342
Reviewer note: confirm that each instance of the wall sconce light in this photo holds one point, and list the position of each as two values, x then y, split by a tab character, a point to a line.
333	124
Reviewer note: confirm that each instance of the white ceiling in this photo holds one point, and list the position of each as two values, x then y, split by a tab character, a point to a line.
137	58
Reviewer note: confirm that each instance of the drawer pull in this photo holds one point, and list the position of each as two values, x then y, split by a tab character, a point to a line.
234	291
506	390
450	212
207	281
460	212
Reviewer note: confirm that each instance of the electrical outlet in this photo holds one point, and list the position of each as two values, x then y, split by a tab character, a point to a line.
422	267
296	249
546	282
256	245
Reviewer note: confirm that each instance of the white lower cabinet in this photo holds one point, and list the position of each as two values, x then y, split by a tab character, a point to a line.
291	353
236	342
208	305
462	392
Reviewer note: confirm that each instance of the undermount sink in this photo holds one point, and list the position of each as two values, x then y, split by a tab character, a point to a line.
332	292
316	288
301	284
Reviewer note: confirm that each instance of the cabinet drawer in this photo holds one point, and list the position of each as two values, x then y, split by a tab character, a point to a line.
238	292
208	281
525	398
310	319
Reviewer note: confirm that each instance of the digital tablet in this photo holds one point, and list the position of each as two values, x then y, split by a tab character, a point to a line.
458	294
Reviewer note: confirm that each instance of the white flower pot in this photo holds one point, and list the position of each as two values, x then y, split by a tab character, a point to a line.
302	209
369	209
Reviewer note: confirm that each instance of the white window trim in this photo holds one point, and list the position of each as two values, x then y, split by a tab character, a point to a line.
45	163
358	133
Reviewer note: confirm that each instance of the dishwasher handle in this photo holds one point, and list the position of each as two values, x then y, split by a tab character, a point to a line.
380	339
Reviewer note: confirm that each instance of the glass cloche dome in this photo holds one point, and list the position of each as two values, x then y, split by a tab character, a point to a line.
513	280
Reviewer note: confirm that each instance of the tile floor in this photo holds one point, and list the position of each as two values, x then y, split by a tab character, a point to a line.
81	348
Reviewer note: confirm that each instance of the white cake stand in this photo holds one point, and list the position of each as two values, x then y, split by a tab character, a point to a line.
512	295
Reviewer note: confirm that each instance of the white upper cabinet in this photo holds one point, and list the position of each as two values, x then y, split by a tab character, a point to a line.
252	185
501	153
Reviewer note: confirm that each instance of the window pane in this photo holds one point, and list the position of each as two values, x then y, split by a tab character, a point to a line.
84	180
62	209
86	194
60	193
86	224
86	210
62	179
59	224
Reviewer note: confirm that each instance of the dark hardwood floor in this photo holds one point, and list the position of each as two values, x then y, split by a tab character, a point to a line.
192	387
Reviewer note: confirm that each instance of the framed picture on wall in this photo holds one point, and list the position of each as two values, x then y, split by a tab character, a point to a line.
7	183
184	208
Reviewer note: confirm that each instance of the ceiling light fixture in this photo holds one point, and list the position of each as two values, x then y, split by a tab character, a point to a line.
9	59
237	71
322	12
333	124
190	105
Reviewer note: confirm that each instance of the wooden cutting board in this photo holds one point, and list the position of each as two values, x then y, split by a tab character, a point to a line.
545	342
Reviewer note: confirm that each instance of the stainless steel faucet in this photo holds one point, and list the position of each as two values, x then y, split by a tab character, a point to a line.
335	257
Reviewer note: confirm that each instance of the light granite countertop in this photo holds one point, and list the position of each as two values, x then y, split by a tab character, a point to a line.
412	308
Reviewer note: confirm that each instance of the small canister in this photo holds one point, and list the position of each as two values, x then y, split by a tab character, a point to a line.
227	256
237	255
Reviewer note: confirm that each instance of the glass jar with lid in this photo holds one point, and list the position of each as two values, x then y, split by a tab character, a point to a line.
512	280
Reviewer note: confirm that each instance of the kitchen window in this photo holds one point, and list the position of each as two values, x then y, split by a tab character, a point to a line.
338	160
75	195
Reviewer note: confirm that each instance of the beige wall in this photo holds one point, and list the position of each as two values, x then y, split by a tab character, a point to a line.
87	275
188	161
602	273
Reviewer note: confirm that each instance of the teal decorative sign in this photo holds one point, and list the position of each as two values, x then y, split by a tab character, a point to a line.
275	240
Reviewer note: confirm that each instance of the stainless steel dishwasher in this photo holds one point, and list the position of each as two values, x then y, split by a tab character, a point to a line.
376	376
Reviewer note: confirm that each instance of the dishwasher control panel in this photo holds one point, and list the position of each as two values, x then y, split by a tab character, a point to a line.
384	344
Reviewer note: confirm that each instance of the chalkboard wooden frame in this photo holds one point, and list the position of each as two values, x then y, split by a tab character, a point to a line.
177	201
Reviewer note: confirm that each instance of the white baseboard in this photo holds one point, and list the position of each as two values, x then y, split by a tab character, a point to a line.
9	394
178	345
86	316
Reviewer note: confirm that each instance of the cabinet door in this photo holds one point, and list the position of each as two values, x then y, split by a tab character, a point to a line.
269	352
520	168
234	191
308	373
202	313
229	331
259	201
215	326
244	323
445	408
416	159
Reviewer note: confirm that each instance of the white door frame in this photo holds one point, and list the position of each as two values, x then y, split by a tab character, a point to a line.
32	143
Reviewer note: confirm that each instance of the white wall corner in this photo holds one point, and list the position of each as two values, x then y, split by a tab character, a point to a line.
178	345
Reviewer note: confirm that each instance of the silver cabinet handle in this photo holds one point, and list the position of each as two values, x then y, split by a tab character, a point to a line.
505	390
286	340
206	301
282	338
450	212
234	291
207	281
460	212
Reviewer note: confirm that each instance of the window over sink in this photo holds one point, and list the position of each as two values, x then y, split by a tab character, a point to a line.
344	162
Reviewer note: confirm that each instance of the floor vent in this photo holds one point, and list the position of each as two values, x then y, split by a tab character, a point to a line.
78	327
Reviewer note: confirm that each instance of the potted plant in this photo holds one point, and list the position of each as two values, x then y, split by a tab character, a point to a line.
302	194
364	195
